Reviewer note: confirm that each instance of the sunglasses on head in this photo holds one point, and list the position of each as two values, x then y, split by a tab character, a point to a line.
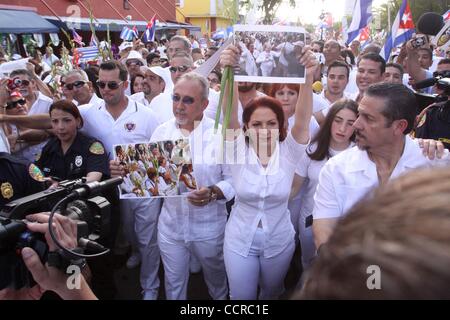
186	99
76	84
179	69
113	85
13	104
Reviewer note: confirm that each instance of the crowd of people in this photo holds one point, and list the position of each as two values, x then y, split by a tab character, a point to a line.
281	192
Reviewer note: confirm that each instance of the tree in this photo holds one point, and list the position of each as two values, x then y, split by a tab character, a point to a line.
418	7
269	8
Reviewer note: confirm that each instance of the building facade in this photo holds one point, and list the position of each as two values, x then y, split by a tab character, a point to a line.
209	15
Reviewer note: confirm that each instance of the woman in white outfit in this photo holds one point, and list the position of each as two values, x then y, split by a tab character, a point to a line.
259	236
266	60
335	136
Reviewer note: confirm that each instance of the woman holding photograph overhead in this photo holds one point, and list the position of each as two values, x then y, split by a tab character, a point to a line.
259	236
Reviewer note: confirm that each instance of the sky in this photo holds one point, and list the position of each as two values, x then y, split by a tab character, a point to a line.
310	10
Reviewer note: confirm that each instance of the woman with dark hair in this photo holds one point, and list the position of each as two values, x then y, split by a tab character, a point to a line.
71	154
259	235
137	83
335	136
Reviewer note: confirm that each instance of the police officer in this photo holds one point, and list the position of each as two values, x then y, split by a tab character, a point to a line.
71	154
18	178
435	123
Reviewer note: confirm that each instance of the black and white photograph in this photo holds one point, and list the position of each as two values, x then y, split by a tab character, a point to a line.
269	54
155	170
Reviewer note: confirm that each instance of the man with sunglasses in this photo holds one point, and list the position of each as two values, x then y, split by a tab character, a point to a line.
120	120
181	63
37	102
193	226
154	84
77	82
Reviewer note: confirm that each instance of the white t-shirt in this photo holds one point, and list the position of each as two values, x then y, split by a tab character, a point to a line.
41	105
348	177
135	124
4	144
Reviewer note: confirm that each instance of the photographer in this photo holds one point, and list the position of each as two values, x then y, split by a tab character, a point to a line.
49	278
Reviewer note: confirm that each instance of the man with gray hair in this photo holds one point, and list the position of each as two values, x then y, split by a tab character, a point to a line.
193	226
178	44
82	89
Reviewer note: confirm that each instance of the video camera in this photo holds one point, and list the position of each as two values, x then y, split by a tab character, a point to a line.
75	199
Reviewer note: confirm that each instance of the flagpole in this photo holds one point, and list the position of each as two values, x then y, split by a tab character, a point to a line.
389	17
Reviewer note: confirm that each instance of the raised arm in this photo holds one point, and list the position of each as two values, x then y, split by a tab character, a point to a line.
303	109
36	121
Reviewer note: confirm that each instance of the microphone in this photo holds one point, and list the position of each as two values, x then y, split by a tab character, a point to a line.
430	23
95	187
426	83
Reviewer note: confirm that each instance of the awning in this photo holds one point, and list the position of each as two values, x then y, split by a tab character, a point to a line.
18	22
115	25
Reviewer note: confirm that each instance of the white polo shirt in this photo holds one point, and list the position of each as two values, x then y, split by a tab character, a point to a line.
136	124
41	105
140	97
179	220
348	177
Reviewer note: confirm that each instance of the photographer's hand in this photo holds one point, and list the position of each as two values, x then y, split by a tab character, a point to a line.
46	277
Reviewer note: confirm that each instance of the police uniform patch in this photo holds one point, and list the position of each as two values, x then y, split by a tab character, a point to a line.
36	173
79	160
7	190
422	120
96	148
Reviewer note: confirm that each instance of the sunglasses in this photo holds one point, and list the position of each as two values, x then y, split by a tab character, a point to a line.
76	84
112	85
134	63
179	69
186	99
13	104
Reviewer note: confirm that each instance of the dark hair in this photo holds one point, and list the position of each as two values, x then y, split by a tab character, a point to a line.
323	137
114	65
339	64
319	43
444	61
217	73
375	58
133	79
92	73
196	50
23	72
400	102
395	65
151	56
265	102
347	53
69	107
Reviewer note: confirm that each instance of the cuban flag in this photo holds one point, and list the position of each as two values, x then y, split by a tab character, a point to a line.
94	41
402	30
135	32
77	38
149	34
362	14
446	16
87	54
126	34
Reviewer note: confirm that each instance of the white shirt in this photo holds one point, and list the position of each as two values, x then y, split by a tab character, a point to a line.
135	124
95	99
49	60
310	170
329	103
41	105
179	219
262	195
140	97
349	176
4	144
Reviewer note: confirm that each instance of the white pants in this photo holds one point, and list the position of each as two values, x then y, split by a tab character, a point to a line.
244	273
140	221
175	256
306	243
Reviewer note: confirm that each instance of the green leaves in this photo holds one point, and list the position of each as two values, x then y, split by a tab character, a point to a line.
226	86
